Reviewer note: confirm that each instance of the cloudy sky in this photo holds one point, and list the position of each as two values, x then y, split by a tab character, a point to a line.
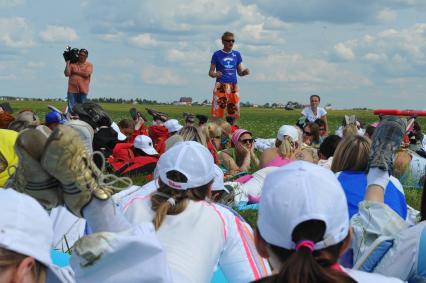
351	53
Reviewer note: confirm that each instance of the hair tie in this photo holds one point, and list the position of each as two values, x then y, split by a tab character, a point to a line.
171	201
306	244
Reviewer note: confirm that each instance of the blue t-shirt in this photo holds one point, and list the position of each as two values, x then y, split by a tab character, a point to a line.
354	184
227	64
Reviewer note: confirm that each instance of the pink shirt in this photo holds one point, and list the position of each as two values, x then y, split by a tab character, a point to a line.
77	83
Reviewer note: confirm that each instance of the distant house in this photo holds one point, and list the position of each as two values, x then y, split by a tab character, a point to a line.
185	101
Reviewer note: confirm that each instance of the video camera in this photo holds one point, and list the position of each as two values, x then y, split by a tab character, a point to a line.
71	54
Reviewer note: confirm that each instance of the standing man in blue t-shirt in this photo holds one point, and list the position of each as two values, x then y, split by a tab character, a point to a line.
225	65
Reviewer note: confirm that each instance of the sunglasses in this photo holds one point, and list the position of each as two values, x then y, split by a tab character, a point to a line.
247	141
307	133
229	40
322	129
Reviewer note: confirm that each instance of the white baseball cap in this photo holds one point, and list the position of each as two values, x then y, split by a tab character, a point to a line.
26	227
121	136
144	143
287	130
218	184
298	192
191	159
172	125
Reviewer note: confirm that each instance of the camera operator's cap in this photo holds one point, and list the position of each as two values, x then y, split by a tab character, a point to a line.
191	159
121	136
287	130
144	143
83	50
298	192
26	227
54	117
172	125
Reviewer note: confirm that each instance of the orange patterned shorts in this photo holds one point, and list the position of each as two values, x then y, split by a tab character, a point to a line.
226	97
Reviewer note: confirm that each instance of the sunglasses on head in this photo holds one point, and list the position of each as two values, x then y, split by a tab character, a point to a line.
307	133
247	141
229	40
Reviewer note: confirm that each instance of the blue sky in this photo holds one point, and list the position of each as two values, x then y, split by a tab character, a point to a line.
352	53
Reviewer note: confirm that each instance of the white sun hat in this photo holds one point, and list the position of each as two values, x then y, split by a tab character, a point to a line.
172	125
144	143
121	136
26	228
298	192
191	159
287	130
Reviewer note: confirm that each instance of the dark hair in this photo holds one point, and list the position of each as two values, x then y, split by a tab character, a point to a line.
329	145
320	122
416	126
227	33
126	123
315	95
369	130
306	266
162	207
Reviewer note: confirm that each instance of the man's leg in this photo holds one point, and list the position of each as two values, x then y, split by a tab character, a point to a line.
219	101
83	97
71	97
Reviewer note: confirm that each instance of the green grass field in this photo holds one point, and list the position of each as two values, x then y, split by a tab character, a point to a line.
263	122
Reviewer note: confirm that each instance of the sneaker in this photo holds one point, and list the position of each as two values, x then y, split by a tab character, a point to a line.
66	158
386	140
30	178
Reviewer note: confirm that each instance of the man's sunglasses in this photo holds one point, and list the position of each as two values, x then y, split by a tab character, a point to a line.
247	141
229	40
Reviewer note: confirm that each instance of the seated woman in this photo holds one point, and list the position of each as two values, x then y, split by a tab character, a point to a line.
241	157
350	164
311	135
137	159
303	227
410	168
285	144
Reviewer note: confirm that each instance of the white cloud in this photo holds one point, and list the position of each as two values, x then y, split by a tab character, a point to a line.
111	37
11	3
143	40
155	75
59	34
344	51
16	33
302	71
386	15
375	57
36	65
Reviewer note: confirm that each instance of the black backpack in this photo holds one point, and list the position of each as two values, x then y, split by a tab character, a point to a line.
93	114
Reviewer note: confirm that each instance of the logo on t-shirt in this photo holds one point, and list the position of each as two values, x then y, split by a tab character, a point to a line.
228	63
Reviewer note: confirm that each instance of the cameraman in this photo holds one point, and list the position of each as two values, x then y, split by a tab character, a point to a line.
79	78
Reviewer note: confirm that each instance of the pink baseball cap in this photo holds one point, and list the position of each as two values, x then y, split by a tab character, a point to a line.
237	134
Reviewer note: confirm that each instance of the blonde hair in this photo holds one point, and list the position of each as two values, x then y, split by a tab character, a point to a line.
191	133
160	200
401	163
225	127
212	130
350	130
10	258
351	154
286	147
226	34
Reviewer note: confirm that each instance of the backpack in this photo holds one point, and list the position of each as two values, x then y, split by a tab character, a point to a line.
93	114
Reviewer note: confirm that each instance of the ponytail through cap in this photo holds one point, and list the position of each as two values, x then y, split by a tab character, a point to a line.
305	244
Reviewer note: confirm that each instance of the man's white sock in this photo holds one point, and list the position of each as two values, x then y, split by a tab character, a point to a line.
378	177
